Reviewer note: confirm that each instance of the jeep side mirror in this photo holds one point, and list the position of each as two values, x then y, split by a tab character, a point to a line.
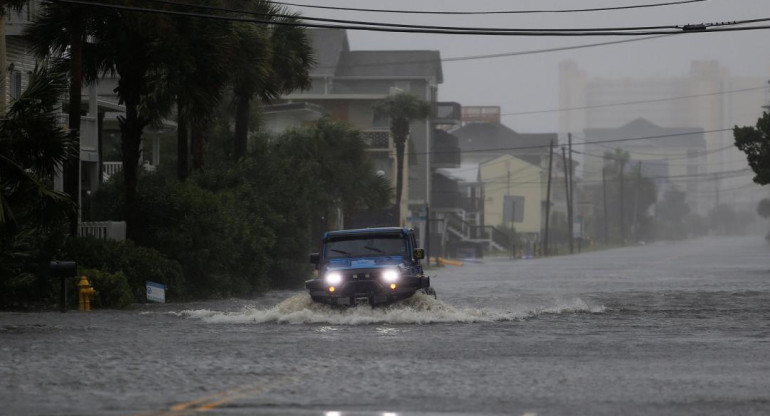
315	258
419	253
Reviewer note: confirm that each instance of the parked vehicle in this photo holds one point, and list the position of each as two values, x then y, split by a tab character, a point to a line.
372	266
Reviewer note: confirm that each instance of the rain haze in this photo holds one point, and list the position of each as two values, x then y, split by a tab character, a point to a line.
530	82
590	238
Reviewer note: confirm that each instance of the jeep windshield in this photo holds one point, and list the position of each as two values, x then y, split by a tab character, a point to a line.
366	246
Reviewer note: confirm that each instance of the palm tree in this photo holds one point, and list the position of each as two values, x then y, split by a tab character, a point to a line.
200	60
133	45
402	108
32	146
267	61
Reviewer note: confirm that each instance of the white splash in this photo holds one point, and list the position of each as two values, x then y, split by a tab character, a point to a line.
418	309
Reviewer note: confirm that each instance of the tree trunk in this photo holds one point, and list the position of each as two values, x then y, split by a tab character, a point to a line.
182	150
400	144
131	127
3	65
197	145
242	112
71	170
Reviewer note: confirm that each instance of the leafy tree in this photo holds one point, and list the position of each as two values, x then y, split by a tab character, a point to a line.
402	109
725	220
671	213
315	170
755	142
763	209
630	198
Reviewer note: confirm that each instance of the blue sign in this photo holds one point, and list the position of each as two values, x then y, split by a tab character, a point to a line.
156	292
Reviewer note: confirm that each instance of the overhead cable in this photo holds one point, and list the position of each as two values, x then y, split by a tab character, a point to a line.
422	30
489	12
654	100
543	146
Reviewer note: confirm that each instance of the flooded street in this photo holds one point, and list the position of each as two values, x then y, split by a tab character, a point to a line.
674	328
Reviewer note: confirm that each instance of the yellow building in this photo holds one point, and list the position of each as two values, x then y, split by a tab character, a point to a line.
513	194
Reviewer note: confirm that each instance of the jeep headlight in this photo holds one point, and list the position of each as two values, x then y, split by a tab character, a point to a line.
334	278
390	276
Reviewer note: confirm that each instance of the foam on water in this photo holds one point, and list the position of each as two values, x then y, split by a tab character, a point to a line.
418	309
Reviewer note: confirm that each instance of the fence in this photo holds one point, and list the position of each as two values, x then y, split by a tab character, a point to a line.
104	230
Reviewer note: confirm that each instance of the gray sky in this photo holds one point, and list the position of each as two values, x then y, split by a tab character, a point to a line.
530	82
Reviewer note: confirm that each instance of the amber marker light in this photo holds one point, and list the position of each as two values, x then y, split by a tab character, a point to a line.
393	286
331	289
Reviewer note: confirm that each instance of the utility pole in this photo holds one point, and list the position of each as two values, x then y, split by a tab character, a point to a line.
606	213
548	200
622	206
566	190
636	199
571	200
427	235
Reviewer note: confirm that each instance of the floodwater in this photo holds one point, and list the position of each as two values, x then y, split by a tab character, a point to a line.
667	328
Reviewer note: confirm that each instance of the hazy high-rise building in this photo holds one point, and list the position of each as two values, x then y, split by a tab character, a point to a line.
707	97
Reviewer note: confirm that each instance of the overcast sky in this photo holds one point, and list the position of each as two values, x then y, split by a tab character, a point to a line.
530	82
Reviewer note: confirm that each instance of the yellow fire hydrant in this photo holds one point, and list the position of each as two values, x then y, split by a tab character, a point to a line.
84	293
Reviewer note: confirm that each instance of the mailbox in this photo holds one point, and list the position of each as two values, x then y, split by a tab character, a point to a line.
63	269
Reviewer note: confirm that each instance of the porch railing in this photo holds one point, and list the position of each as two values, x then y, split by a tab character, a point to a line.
104	230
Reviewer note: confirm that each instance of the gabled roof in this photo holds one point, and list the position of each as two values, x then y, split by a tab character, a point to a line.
493	136
649	134
327	44
402	63
468	172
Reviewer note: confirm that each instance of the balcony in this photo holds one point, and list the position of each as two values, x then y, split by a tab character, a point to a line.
447	113
377	139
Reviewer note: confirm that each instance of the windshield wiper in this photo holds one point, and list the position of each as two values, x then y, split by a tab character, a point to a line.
340	251
373	249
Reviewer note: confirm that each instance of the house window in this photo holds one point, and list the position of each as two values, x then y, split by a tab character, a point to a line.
15	85
403	85
380	119
513	209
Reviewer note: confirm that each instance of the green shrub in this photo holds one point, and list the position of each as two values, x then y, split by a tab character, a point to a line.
138	264
112	289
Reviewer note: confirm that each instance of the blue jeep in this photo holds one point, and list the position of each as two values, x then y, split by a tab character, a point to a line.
368	266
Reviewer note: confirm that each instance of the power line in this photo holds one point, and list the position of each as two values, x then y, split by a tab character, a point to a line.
543	146
655	100
596	9
695	154
498	55
458	31
697	177
688	156
401	25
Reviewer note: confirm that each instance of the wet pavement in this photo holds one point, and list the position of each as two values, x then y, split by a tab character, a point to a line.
659	329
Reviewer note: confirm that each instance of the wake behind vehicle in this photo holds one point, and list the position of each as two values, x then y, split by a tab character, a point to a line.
368	266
